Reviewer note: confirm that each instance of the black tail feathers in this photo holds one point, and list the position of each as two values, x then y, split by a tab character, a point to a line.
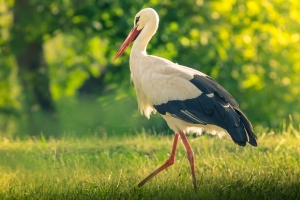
251	137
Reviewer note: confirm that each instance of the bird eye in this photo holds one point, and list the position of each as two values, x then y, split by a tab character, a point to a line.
137	19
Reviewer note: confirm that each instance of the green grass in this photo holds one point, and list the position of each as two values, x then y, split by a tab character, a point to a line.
110	168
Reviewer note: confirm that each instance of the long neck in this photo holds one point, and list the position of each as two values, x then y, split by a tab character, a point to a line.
141	42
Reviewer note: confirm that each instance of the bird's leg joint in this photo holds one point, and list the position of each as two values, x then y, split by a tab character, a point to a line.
170	161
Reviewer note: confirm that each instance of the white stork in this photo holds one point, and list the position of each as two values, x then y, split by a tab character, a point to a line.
189	100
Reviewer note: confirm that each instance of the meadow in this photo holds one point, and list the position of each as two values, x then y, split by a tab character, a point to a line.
104	167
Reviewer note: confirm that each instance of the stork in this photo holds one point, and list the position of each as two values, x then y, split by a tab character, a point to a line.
189	100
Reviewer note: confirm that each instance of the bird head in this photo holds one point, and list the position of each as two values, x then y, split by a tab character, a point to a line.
145	21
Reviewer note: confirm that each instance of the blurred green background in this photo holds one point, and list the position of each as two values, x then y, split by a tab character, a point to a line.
57	76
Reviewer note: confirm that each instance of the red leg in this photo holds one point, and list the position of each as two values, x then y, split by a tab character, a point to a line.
168	163
190	155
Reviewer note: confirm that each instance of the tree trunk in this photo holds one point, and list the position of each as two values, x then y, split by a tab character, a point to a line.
33	73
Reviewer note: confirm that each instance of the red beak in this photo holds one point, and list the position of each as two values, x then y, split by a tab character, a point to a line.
130	38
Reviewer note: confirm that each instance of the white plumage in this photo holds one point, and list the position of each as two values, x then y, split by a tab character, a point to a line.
187	99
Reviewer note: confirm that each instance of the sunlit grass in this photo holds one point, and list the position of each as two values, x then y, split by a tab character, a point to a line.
110	168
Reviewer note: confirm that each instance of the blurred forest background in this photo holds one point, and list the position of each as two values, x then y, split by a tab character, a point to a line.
57	76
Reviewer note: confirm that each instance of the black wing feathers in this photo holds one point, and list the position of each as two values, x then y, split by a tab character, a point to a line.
248	127
208	85
214	106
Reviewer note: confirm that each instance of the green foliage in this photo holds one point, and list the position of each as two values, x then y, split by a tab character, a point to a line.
108	115
110	167
250	47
